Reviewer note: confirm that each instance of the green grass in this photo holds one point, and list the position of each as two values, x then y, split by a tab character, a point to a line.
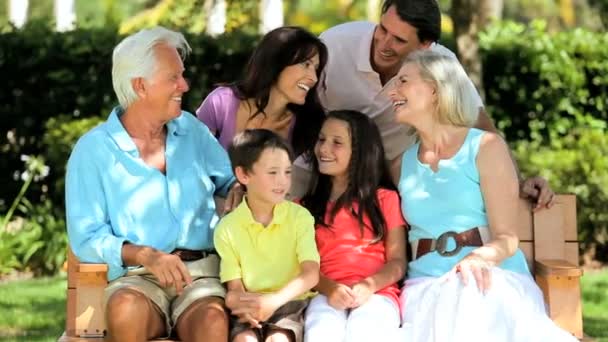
34	310
595	304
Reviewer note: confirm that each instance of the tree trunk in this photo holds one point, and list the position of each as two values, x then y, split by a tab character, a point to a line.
470	17
566	12
373	10
216	17
65	15
17	12
271	15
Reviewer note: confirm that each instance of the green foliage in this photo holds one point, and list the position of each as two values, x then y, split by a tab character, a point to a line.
46	74
319	15
45	226
35	241
557	81
33	235
576	164
61	133
243	16
175	14
191	16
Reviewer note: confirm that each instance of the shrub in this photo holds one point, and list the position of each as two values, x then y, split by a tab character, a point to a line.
61	133
576	164
558	81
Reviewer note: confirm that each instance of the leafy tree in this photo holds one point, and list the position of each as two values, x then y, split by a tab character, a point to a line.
190	16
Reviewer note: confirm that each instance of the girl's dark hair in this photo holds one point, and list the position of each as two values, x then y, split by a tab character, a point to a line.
277	50
367	172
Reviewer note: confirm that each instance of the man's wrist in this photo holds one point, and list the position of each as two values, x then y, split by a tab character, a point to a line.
143	255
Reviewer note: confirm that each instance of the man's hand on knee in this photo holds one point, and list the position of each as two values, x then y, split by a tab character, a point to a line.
169	269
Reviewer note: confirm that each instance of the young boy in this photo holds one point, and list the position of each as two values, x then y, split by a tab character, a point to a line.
269	258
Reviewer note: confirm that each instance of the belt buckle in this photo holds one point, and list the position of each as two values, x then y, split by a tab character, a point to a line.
442	243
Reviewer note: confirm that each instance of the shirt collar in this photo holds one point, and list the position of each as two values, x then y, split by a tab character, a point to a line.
365	48
279	213
117	131
119	134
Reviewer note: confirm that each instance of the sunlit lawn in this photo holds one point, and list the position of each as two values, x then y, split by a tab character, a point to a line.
595	304
34	310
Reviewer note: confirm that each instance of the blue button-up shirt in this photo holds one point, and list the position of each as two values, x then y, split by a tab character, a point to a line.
113	197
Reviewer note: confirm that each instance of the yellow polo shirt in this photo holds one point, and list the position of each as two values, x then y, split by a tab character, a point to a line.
265	258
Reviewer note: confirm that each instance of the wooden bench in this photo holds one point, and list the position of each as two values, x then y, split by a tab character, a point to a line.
548	239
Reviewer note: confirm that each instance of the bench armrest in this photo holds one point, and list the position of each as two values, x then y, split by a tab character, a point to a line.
86	268
559	281
557	268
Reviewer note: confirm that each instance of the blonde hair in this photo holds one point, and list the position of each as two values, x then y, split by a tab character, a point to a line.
134	57
456	96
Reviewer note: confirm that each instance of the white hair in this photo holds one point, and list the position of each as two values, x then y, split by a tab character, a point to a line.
134	57
457	101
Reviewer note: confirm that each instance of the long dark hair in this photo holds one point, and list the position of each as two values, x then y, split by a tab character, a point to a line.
277	50
367	172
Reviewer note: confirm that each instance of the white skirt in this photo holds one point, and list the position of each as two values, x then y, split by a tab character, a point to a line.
445	310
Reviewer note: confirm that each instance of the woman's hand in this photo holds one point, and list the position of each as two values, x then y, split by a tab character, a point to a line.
341	297
479	268
362	291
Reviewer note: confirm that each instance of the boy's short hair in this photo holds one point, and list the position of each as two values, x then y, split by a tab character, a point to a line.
247	147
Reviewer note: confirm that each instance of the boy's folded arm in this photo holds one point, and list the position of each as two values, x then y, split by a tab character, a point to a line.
234	301
235	290
304	282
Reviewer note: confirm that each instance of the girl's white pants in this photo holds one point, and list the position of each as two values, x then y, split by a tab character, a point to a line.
376	320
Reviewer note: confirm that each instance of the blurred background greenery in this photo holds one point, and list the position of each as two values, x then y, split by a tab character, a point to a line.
542	66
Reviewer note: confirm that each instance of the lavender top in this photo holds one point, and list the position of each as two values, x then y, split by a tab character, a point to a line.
218	112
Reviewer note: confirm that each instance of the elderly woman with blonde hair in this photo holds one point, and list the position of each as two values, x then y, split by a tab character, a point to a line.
467	280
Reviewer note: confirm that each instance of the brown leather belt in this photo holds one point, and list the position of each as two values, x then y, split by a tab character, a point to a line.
190	255
470	237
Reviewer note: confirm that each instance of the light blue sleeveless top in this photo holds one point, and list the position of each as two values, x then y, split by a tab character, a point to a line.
447	200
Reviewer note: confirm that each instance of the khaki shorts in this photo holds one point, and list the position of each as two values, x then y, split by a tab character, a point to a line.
205	283
288	318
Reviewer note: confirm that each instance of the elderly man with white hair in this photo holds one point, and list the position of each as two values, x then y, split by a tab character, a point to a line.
140	197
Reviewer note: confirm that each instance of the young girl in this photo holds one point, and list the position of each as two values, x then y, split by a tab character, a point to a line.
359	233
